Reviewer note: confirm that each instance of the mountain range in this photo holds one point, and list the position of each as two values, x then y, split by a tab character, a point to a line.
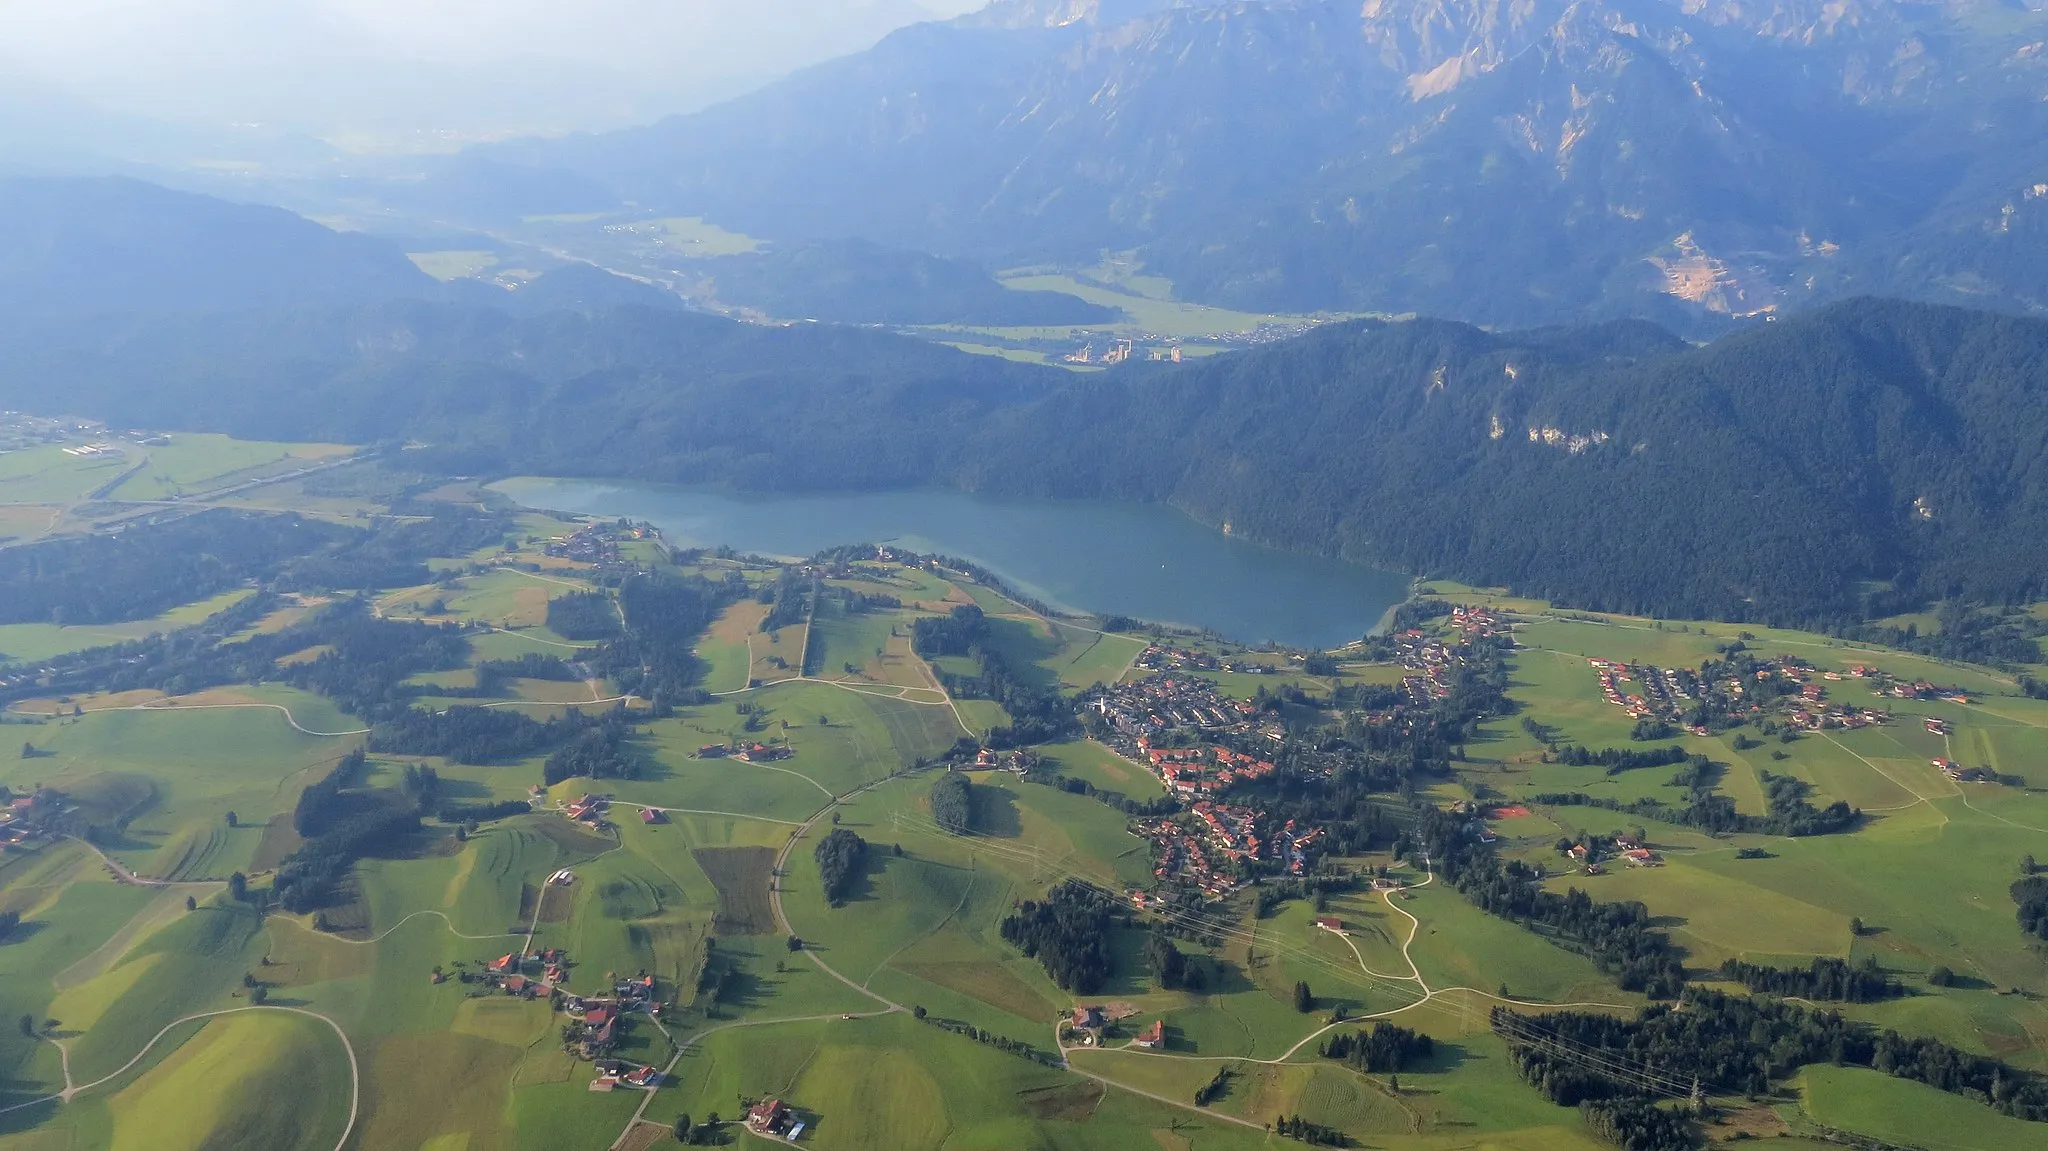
1501	161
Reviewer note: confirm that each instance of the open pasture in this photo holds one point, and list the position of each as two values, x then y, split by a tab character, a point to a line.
47	475
727	646
193	463
39	641
173	773
893	1084
1877	1105
252	1079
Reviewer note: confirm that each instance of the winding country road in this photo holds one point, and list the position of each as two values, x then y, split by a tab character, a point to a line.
889	1006
355	1074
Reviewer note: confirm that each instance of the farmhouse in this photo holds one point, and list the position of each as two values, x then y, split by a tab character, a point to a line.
1330	923
770	1117
1154	1036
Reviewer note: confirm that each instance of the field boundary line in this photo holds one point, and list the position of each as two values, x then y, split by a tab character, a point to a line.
386	933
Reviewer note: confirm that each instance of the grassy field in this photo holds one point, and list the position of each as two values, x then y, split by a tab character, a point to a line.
690	899
39	641
692	237
1869	1103
1147	314
454	263
194	462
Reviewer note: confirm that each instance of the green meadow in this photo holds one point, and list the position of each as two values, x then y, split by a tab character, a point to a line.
153	1004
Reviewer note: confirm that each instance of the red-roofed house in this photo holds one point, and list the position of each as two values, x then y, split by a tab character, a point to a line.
1154	1035
765	1115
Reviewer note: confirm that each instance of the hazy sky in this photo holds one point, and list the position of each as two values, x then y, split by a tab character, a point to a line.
462	66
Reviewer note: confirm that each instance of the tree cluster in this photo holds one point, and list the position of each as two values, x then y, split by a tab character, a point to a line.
598	750
583	616
952	800
1826	978
2030	897
1314	1134
1618	937
1741	1043
1384	1049
1170	965
840	856
1618	760
149	568
1068	932
1790	812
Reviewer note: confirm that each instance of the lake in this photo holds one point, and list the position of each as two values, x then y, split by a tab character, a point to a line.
1138	560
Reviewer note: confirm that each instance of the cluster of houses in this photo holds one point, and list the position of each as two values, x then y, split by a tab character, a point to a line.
1018	762
1161	702
1905	689
1181	858
1590	854
600	1017
1212	845
1434	662
1191	771
596	544
747	752
590	810
523	973
1663	690
1477	623
1961	774
1785	685
613	1072
1165	657
1089	1025
21	820
22	430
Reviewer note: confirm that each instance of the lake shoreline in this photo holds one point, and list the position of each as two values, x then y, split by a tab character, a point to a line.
1095	558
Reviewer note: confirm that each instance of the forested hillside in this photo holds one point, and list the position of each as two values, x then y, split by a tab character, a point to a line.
1762	476
1831	467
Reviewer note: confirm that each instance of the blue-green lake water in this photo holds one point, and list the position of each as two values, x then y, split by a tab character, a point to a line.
1138	560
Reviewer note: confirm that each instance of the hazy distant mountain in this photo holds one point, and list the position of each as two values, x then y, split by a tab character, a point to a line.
117	245
386	75
1503	160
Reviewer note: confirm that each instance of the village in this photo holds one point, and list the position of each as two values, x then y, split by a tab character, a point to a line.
1783	688
598	544
1215	848
596	1023
1434	663
1162	702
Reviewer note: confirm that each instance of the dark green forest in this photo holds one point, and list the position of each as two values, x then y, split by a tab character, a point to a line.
1822	471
